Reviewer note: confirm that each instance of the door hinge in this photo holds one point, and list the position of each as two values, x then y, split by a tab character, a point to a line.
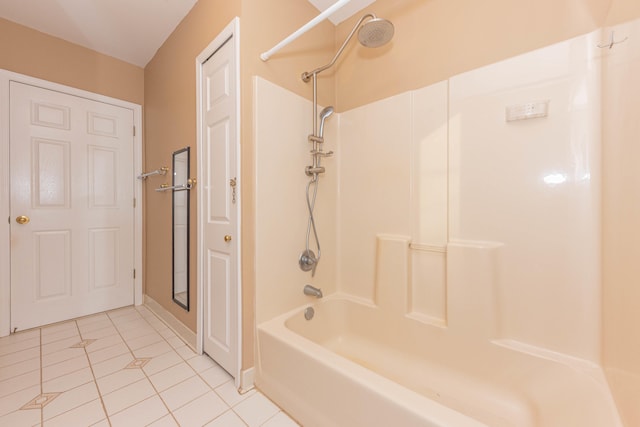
134	131
134	202
134	273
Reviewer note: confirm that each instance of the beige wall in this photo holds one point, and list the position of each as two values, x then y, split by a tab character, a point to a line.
623	11
170	123
36	54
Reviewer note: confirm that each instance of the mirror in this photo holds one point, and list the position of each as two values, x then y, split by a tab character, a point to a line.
180	234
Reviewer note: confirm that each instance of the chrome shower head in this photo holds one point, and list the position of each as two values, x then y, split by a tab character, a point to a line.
376	32
326	112
373	33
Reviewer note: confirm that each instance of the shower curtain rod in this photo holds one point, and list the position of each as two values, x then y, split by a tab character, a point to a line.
306	27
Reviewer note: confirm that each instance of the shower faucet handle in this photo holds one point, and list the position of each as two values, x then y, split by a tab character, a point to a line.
308	261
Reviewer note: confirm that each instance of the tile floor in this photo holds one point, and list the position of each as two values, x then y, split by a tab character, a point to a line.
120	368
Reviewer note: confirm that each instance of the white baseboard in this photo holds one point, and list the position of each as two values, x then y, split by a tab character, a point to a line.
187	335
246	380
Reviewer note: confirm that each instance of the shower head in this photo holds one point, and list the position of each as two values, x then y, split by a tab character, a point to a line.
375	32
323	115
326	113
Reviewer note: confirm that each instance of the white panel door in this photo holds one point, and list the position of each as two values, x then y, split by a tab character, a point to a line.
220	314
72	215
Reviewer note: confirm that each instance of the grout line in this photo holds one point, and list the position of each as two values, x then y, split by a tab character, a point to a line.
95	380
143	371
41	375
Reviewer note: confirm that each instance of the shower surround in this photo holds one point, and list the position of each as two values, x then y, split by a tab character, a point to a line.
475	236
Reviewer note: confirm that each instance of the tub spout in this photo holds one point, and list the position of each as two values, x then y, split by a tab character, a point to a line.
312	291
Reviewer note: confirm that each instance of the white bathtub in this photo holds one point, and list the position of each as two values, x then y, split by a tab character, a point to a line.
353	366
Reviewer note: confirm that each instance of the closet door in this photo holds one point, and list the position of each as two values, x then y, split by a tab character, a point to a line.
220	225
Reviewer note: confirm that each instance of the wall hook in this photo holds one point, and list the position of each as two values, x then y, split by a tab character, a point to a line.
612	41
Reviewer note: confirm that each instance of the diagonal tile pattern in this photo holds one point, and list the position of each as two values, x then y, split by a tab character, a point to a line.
120	368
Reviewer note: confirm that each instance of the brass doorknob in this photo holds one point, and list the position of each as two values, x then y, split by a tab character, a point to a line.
227	238
22	219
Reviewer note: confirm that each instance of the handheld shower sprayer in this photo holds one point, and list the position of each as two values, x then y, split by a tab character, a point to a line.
324	114
375	32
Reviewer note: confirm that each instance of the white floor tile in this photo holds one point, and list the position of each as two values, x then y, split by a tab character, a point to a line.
21	418
19	382
128	396
142	414
108	353
184	392
63	368
70	399
56	328
153	350
185	352
105	342
16	400
202	363
10	346
171	376
59	334
106	331
60	344
68	381
200	411
17	337
87	414
175	341
132	327
119	313
119	379
280	420
19	368
19	356
162	362
256	410
95	319
112	365
166	421
215	376
61	356
157	324
93	387
228	419
139	329
230	395
167	333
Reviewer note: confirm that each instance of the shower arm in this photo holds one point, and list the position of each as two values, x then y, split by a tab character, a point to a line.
306	76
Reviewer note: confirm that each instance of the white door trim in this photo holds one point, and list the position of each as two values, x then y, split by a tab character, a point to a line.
231	30
5	279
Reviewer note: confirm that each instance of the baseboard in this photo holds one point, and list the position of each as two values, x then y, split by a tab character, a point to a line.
187	335
246	380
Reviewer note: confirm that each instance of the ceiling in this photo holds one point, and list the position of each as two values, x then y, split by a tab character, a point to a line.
124	29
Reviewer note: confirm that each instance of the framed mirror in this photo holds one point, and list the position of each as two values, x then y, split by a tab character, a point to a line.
180	233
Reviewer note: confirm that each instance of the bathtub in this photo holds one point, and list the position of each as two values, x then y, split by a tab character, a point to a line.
353	365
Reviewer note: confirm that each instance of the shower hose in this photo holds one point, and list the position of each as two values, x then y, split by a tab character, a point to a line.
311	203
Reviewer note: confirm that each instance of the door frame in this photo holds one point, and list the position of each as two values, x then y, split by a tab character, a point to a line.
6	77
231	30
